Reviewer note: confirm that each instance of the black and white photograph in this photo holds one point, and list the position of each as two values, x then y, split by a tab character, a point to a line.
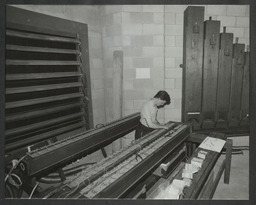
134	102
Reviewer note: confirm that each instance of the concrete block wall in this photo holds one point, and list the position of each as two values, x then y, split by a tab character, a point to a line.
143	45
151	38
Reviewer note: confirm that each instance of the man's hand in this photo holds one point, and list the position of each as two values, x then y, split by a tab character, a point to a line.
168	124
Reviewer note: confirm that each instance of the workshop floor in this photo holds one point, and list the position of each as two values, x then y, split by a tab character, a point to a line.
238	188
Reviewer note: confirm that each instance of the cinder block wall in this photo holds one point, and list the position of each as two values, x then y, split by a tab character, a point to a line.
151	38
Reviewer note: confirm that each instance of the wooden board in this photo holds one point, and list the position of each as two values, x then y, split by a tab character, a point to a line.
192	64
236	84
210	71
244	117
117	92
224	78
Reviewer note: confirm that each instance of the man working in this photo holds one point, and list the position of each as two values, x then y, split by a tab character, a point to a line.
148	120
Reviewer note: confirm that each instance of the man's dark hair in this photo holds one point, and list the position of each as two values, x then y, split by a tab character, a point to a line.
163	95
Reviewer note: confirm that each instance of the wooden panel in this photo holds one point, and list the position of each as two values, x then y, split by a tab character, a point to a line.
236	84
244	118
224	78
210	69
192	64
47	64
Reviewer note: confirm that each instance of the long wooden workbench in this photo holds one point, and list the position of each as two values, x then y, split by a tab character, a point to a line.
205	181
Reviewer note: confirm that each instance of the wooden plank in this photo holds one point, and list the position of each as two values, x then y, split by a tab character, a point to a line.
22	103
85	67
204	194
210	69
40	36
42	88
37	138
228	147
224	78
41	124
236	84
117	93
41	49
41	62
244	114
209	189
22	19
38	113
192	64
32	76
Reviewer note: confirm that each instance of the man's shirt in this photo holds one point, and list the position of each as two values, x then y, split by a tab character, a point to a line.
148	113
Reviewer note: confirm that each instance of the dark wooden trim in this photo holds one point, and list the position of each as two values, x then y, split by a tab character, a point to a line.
40	37
41	75
228	147
35	113
22	19
41	49
41	100
42	88
40	62
86	71
41	124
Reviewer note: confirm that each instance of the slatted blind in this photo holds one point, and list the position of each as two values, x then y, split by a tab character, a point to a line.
46	89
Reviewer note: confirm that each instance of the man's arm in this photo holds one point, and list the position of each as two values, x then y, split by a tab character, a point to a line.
151	121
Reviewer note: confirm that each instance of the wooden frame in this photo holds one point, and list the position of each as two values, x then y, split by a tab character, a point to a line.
44	27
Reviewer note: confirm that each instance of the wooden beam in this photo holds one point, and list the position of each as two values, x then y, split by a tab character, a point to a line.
41	62
39	113
41	124
42	49
228	147
41	37
32	76
42	87
41	100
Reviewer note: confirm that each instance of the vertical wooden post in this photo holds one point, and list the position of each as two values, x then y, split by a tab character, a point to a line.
236	83
117	92
192	64
210	69
228	146
244	114
224	78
